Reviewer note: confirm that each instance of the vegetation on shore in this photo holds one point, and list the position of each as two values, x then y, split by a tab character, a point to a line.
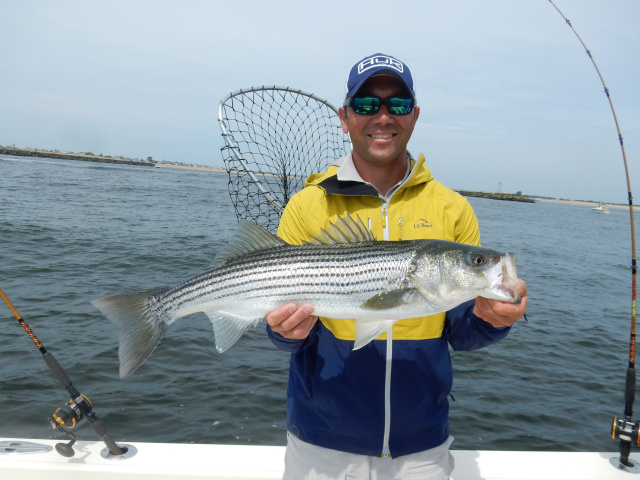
88	156
513	197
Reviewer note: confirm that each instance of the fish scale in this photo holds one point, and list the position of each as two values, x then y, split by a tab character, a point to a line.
314	268
344	273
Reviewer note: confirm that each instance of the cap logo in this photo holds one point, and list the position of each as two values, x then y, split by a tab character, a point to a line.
380	61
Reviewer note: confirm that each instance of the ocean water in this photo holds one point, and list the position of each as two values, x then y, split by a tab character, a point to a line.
74	231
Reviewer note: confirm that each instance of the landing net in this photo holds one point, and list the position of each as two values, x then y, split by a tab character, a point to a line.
274	138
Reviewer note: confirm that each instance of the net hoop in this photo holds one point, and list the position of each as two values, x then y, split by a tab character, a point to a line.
274	138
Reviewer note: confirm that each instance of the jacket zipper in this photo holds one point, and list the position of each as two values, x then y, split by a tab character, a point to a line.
385	220
386	453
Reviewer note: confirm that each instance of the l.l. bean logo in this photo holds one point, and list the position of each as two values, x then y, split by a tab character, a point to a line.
422	223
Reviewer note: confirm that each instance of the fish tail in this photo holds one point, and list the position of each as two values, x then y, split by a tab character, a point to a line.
140	328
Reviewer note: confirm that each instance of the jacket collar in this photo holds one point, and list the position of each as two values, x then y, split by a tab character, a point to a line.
347	170
343	178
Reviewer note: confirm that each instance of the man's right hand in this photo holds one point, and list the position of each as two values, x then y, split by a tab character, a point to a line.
291	321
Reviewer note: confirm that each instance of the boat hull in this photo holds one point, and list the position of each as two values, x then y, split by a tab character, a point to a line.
168	461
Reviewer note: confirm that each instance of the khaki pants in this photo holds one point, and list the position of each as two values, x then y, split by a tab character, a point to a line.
304	461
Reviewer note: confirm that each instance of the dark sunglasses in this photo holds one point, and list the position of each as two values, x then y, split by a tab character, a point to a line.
371	105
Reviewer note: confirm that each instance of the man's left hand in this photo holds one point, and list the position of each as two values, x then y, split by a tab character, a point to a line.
502	314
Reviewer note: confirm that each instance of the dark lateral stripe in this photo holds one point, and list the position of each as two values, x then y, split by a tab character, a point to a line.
341	269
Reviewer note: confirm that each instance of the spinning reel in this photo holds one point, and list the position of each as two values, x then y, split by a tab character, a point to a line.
68	416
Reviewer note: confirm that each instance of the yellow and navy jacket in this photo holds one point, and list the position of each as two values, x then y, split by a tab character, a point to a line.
389	397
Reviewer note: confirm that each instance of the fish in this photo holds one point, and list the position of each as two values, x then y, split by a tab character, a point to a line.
344	272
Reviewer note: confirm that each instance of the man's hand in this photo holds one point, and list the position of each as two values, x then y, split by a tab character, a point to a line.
291	321
502	314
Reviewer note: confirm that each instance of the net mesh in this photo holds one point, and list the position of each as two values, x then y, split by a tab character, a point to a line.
274	138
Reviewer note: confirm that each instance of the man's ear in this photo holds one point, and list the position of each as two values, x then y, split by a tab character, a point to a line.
342	113
416	109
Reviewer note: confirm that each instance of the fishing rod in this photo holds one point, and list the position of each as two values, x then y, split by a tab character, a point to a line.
624	429
79	407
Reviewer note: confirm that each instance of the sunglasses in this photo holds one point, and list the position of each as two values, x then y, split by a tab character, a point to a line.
371	105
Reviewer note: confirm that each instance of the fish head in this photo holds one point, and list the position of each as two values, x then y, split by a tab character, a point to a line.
449	273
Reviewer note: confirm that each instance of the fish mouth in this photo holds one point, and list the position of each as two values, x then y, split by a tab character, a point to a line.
511	293
504	280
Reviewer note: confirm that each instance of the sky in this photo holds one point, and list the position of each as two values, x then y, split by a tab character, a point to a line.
509	99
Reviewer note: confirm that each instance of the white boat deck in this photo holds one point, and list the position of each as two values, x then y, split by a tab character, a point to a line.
166	461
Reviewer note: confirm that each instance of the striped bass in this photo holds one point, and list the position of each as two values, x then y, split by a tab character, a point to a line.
344	273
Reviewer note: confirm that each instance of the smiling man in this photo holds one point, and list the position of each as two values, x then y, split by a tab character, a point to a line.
379	140
380	411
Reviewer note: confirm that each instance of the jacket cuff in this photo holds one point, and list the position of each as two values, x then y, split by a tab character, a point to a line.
288	344
467	331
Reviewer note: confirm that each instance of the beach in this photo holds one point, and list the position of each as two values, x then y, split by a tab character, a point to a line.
585	204
186	167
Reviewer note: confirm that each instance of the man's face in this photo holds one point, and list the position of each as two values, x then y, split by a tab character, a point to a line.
380	139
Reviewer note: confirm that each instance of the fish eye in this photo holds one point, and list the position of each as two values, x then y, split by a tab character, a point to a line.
476	259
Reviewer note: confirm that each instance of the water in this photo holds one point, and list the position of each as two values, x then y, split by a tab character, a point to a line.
71	232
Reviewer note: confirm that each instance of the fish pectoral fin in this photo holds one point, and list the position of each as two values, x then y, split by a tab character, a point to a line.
368	330
389	299
227	328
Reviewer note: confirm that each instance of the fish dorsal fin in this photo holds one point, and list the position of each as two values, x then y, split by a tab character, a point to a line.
248	238
344	230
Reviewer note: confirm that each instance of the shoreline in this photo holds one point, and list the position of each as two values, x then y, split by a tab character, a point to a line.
580	203
85	157
100	159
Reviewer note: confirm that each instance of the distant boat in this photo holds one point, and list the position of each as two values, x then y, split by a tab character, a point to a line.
601	209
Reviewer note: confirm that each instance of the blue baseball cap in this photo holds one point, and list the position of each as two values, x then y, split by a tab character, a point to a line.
374	65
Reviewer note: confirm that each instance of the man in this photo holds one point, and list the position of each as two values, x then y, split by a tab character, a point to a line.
380	411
